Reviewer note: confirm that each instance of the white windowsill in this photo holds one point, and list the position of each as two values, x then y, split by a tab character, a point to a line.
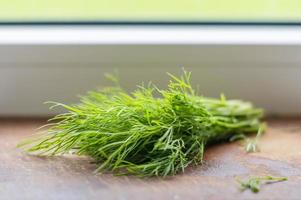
149	35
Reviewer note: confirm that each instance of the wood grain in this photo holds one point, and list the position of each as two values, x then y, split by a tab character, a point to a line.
70	177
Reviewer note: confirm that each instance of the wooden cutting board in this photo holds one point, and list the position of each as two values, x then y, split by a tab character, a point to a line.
29	177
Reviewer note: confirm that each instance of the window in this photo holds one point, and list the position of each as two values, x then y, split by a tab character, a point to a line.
150	11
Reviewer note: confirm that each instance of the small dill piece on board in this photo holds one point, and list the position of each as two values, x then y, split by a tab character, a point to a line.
254	183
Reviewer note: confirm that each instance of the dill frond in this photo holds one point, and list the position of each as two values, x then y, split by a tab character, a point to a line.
251	145
254	183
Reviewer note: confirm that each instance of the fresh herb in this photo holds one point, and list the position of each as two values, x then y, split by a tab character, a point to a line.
254	183
252	144
149	132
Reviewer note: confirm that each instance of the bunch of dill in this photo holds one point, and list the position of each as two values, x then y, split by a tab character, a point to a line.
143	134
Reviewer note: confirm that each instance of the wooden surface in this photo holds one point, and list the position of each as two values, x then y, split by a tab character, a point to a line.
28	177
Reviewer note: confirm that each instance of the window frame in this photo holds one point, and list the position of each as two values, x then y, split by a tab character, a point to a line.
41	63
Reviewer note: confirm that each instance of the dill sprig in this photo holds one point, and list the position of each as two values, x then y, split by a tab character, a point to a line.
149	132
254	183
251	145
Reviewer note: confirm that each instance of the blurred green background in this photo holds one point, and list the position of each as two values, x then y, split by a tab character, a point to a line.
150	10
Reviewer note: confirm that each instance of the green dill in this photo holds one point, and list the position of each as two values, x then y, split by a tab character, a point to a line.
254	183
251	145
149	132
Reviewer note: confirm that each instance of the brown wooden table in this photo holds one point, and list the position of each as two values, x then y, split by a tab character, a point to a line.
28	177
